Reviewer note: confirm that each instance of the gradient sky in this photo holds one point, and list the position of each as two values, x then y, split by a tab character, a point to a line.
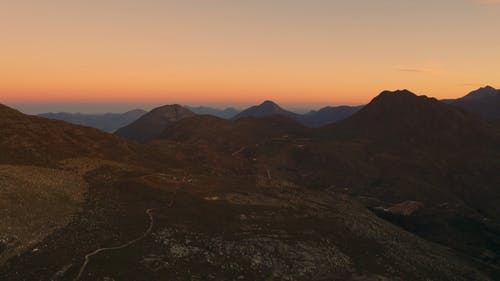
303	53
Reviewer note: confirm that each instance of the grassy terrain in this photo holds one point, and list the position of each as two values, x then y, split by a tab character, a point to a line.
33	203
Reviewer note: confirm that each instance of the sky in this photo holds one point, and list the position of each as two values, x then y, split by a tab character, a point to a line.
106	55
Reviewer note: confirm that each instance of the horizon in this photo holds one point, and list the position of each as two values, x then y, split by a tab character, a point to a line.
104	108
238	53
107	107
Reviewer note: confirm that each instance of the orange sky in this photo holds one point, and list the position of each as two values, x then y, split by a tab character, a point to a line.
297	52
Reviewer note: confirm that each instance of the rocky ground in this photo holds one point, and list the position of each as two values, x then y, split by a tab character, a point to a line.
213	228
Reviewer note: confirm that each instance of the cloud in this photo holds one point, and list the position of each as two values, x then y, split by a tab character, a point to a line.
421	70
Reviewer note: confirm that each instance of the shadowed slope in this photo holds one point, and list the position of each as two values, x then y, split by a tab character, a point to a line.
401	117
150	125
216	131
28	139
328	115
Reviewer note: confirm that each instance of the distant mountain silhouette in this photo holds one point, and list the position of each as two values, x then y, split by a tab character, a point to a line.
226	113
328	115
108	122
324	116
265	109
481	93
35	140
484	101
152	124
403	117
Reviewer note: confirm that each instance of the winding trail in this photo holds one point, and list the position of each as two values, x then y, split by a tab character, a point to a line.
235	154
149	212
89	256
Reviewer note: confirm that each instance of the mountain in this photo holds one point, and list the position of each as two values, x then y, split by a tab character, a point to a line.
403	117
267	108
226	113
36	140
404	148
481	93
328	115
484	101
313	119
151	124
108	122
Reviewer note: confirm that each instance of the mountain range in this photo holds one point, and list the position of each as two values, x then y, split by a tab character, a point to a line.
226	113
484	101
323	116
404	188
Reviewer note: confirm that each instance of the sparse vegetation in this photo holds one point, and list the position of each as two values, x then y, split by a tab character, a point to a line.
33	203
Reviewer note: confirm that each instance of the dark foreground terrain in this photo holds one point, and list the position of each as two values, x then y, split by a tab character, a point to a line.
205	230
405	189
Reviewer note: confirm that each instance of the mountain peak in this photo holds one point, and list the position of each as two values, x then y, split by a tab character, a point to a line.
483	92
268	103
403	92
267	108
151	124
395	98
168	107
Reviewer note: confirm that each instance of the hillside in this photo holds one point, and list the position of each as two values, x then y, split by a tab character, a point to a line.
403	117
150	125
407	154
35	140
244	131
108	122
226	228
34	206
